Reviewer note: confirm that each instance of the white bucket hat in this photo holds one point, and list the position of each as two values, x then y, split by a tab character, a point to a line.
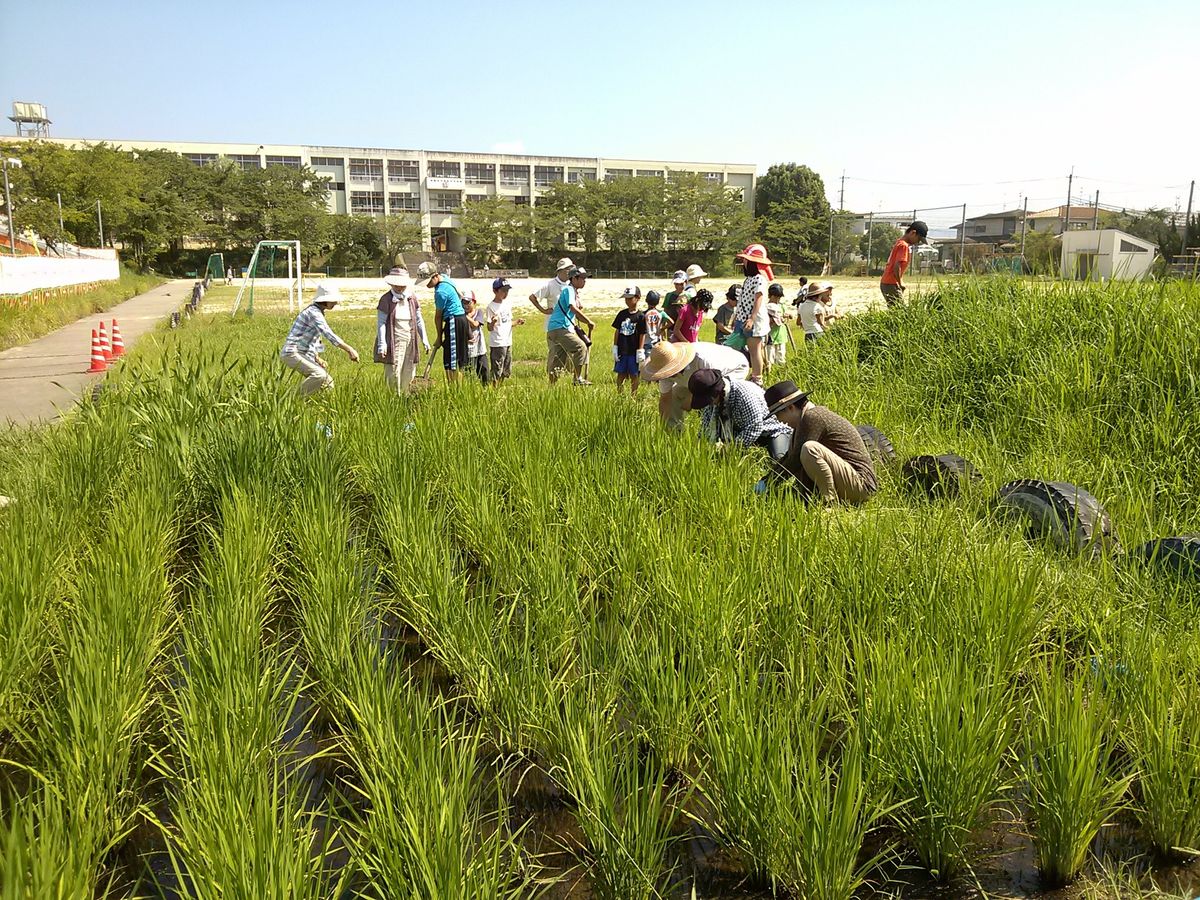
326	294
564	263
398	278
694	271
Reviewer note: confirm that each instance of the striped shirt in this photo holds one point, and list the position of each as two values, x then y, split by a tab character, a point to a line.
741	416
308	329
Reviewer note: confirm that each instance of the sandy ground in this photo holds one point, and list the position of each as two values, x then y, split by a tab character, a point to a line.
850	294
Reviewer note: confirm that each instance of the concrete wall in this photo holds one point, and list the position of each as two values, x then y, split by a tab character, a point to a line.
22	274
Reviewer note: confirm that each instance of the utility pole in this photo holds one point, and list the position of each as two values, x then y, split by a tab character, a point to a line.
1096	213
829	258
100	222
1024	216
12	234
1067	208
1187	219
870	236
842	193
962	242
61	230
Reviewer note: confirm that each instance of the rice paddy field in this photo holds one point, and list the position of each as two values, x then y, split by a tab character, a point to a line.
521	642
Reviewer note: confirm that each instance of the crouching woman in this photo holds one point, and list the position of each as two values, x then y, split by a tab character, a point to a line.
827	456
733	411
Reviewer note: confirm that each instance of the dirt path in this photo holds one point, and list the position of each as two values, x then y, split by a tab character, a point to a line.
42	379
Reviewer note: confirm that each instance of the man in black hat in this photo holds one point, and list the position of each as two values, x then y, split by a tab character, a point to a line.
891	285
735	411
827	454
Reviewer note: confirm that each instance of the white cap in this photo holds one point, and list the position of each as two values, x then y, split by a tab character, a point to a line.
564	263
679	277
632	290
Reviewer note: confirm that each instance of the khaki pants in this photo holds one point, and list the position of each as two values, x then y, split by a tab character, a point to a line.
834	477
398	374
315	378
565	347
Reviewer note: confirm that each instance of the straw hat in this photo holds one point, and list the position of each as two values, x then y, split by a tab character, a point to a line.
667	359
694	271
398	278
816	290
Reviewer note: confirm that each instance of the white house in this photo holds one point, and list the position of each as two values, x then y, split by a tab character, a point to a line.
1105	255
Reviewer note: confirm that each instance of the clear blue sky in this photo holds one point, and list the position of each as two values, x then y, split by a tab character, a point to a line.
921	104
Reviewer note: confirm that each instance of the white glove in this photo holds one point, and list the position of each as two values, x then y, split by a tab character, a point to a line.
615	354
641	357
427	346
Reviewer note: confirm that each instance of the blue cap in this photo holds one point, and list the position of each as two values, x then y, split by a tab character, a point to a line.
500	284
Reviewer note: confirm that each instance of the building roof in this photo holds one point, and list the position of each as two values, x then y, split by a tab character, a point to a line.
1056	212
1007	214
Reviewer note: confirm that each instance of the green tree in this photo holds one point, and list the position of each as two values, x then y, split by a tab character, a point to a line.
1043	250
792	216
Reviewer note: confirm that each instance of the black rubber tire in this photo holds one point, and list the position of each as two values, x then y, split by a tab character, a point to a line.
939	476
1063	513
1180	555
878	445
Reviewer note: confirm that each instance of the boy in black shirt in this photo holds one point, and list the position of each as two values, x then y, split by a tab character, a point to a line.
629	338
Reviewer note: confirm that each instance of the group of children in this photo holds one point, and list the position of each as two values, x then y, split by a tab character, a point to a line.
490	355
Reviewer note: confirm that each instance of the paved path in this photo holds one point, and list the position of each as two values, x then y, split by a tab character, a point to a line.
44	378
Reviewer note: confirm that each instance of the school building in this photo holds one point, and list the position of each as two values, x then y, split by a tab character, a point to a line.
433	184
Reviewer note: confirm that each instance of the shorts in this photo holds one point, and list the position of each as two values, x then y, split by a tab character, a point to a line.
813	335
776	354
501	359
565	346
456	336
479	365
626	365
893	294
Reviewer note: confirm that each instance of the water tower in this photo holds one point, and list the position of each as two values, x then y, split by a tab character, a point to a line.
31	119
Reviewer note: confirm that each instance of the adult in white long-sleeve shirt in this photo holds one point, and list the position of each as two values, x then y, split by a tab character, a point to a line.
398	327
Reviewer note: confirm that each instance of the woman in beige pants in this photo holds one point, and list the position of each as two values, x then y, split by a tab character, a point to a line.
398	328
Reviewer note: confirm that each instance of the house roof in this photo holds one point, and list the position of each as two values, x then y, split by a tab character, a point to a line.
1007	214
1056	212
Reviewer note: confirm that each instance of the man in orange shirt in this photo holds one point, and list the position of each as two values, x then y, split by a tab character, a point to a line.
891	285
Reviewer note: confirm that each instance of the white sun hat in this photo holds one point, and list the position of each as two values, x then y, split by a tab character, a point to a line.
564	263
326	294
694	271
398	278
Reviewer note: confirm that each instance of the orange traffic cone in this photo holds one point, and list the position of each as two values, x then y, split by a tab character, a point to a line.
105	346
118	343
98	362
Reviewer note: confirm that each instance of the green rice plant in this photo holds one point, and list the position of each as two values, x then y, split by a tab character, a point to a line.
85	741
240	827
625	806
1068	766
435	823
938	730
787	782
1162	730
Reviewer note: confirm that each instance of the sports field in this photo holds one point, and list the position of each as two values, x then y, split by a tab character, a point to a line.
522	642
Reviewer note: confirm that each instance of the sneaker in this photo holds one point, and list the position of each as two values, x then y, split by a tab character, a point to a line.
582	382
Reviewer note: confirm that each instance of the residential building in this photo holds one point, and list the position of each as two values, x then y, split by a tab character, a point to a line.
858	225
431	185
1079	218
992	228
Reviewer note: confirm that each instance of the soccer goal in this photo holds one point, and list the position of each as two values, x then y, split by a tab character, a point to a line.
215	267
272	278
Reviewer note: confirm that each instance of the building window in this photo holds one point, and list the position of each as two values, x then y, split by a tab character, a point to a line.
514	176
1130	247
366	169
521	200
572	238
330	181
577	175
544	176
246	161
366	201
480	173
327	161
290	162
441	169
200	159
398	203
403	171
614	174
978	229
475	198
444	202
714	177
650	173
